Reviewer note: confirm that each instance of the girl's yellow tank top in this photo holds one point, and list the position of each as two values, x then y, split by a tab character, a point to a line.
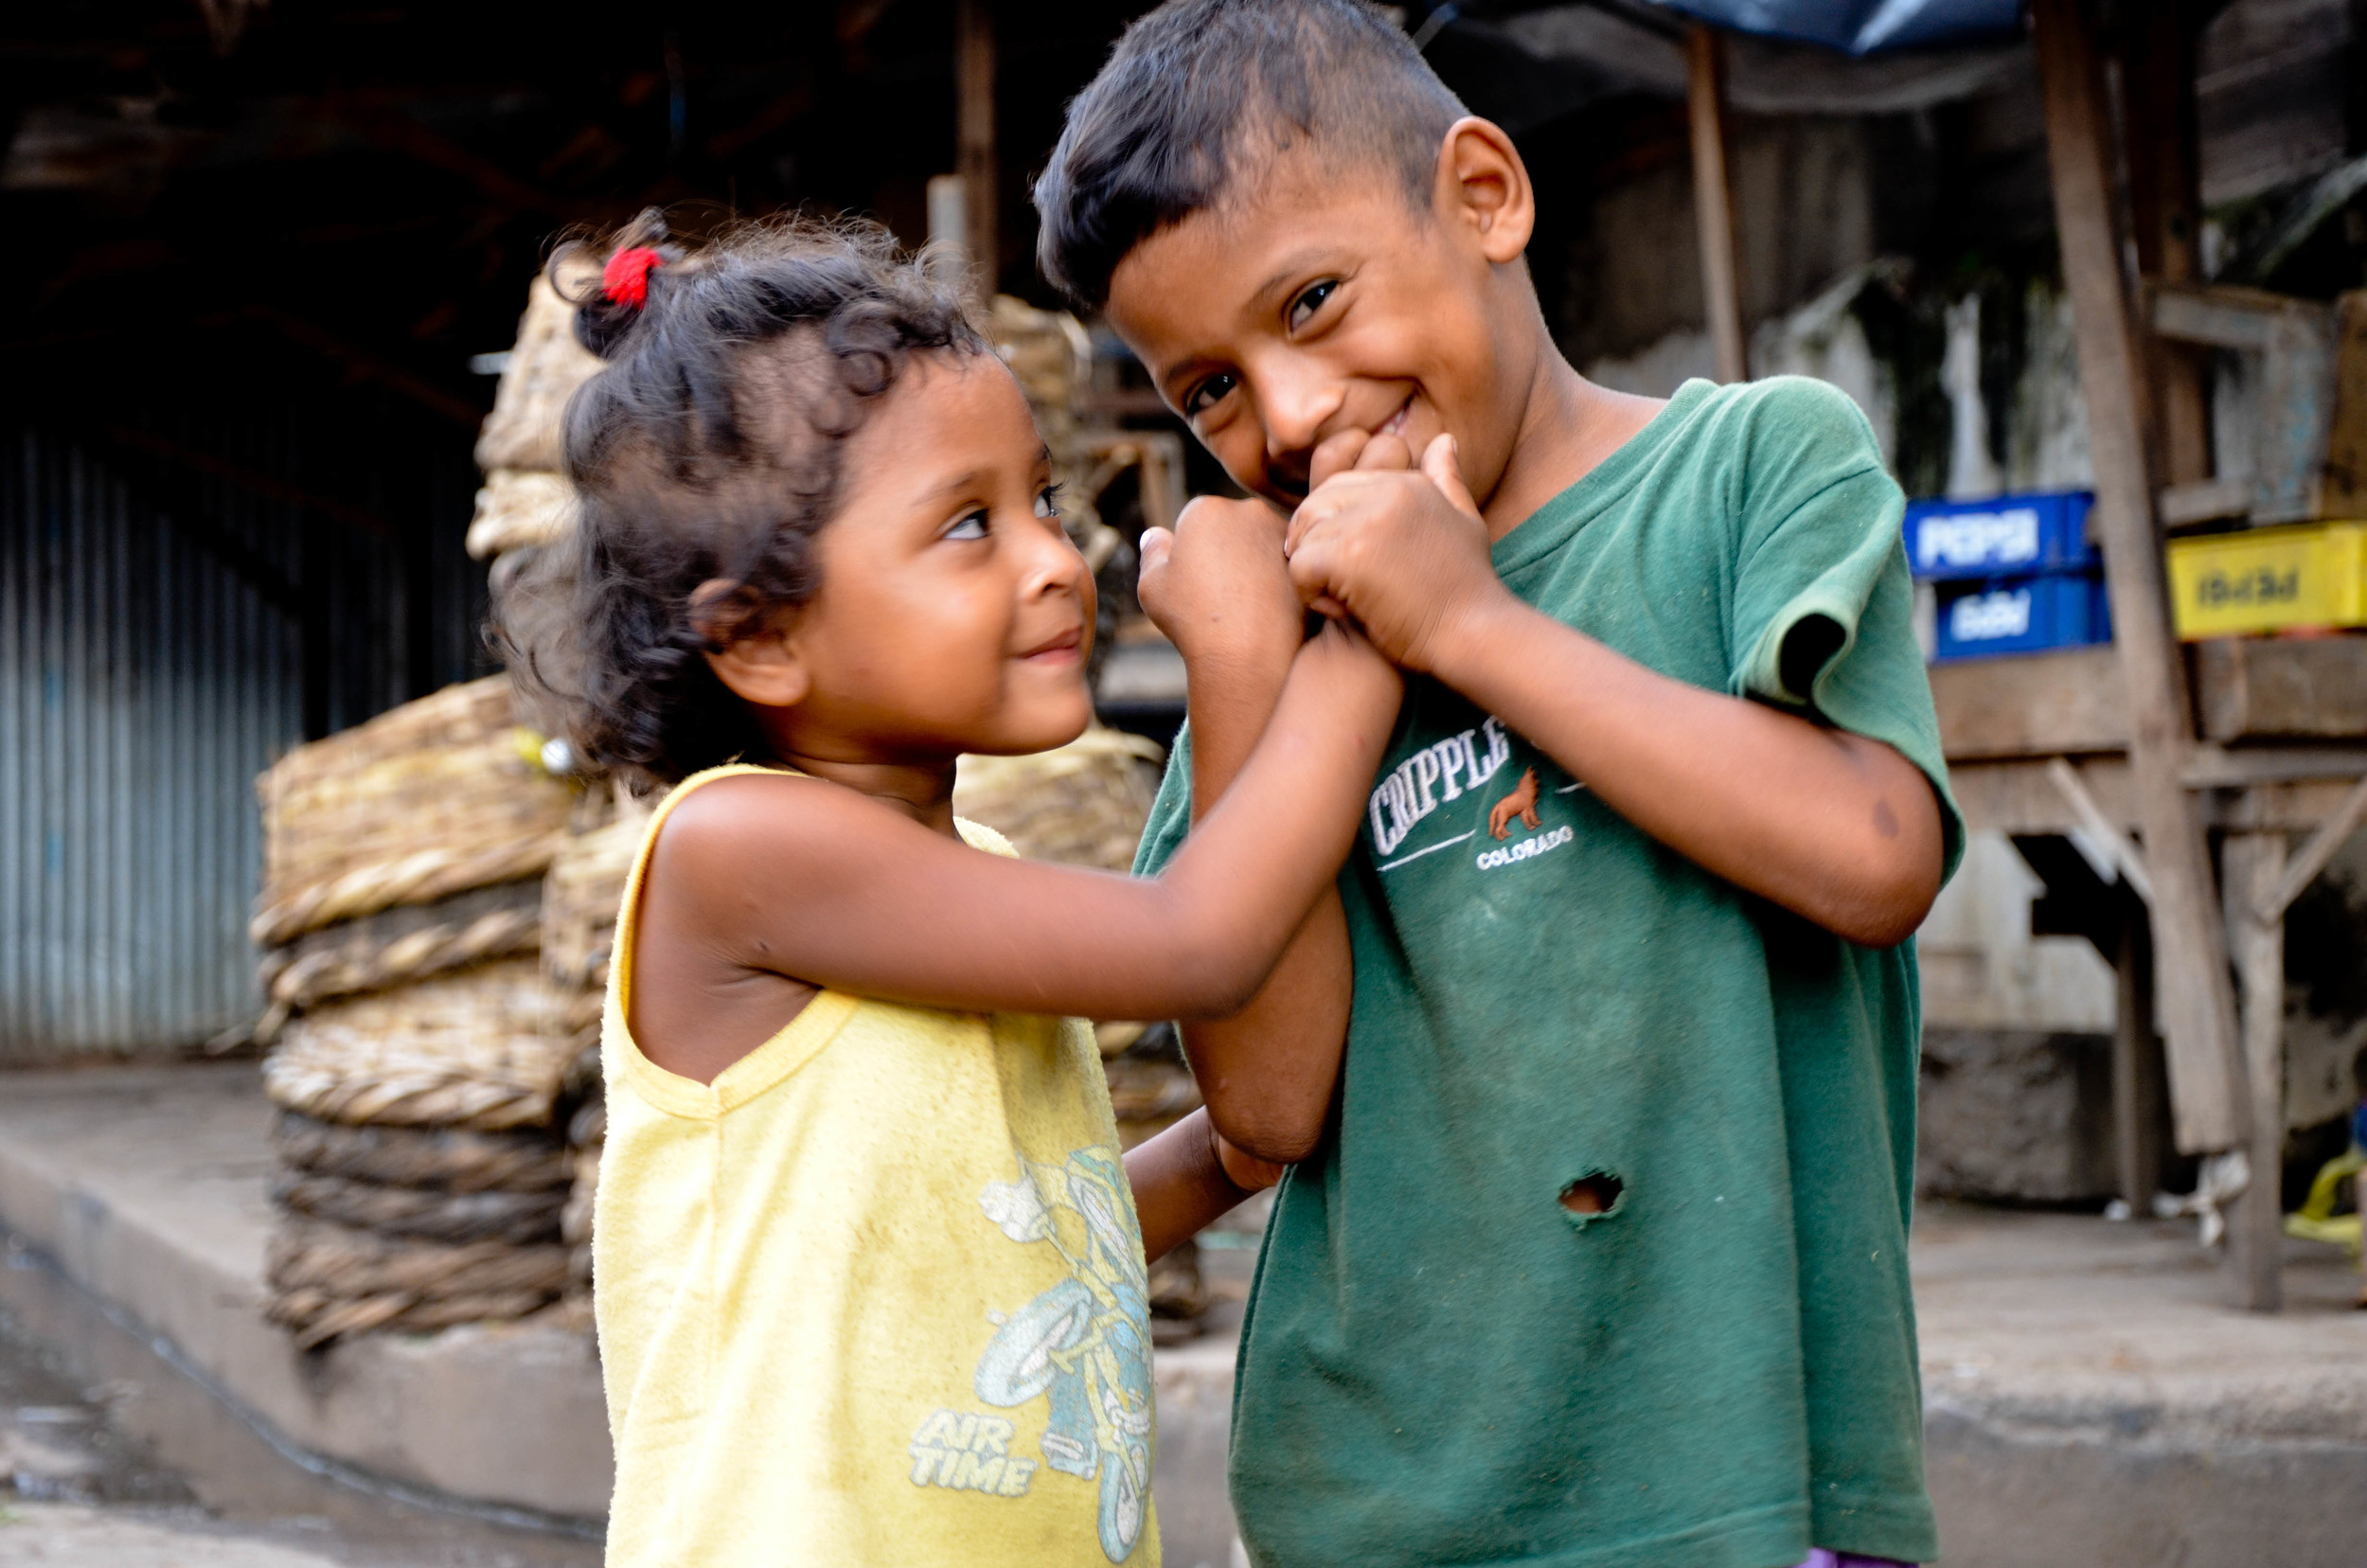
876	1296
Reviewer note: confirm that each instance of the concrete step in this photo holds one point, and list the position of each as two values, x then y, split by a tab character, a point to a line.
2091	1397
145	1186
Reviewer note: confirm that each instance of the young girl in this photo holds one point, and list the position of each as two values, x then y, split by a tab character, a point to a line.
869	1281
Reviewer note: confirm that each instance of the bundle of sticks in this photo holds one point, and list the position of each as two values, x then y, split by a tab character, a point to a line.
414	1055
581	899
525	505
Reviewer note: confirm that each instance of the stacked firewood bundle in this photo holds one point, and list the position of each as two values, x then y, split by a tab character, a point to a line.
1083	804
415	1061
580	900
525	505
1050	357
524	525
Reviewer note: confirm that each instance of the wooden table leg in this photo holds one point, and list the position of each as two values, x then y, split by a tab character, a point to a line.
973	114
2206	1068
2358	1204
2253	863
2136	1067
1713	201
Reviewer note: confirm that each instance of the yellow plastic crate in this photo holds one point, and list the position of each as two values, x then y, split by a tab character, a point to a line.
2266	580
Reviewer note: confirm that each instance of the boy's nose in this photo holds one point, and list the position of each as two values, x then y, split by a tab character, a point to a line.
1297	410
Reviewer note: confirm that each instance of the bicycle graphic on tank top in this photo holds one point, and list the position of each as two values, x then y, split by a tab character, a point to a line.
1086	1341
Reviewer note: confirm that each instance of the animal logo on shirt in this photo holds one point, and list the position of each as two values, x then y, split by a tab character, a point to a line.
1521	803
1431	777
1085	1342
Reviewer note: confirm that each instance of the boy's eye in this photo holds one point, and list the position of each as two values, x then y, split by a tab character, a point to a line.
971	526
1048	502
1311	299
1205	396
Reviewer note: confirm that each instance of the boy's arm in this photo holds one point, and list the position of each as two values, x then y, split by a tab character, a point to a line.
1832	826
1218	589
1185	1179
1829	825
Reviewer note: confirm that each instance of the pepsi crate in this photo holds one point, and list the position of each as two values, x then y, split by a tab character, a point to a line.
2023	615
1954	540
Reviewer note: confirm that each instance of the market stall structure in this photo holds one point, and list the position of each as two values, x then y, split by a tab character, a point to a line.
2099	745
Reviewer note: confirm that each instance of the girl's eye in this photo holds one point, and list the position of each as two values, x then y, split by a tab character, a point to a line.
1303	308
1205	396
1048	502
971	526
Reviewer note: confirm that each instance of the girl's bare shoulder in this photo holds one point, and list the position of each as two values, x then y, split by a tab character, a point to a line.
747	833
730	827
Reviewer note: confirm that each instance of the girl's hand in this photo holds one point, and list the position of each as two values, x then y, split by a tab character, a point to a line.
1219	587
1188	1178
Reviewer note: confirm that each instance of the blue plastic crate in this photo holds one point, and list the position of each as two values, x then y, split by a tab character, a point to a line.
2023	615
1953	541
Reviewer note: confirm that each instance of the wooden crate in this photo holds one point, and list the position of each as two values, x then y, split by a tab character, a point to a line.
2286	688
2269	580
2041	704
2071	702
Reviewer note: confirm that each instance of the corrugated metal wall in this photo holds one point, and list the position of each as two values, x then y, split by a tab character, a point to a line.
183	595
142	686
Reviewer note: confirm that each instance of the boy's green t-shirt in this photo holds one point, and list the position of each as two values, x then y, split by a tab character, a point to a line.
1441	1363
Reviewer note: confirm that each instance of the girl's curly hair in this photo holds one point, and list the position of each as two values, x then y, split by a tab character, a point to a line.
711	448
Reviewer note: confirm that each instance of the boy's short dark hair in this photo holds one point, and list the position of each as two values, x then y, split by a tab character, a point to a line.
1196	87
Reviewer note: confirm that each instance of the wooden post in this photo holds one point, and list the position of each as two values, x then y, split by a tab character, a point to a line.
2255	864
2165	213
1713	201
2198	1014
974	70
2136	1065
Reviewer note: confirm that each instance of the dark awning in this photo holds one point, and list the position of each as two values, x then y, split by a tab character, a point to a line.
1861	27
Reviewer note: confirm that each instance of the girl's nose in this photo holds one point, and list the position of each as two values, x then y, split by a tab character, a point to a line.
1053	566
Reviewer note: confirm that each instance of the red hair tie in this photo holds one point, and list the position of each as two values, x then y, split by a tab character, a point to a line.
626	278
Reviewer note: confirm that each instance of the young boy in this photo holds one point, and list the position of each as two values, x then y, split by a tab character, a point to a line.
1595	1251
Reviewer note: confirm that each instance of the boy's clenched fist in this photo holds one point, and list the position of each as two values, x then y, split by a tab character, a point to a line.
1403	552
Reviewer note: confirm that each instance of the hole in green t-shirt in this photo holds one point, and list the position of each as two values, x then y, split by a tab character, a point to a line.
1809	645
1593	1196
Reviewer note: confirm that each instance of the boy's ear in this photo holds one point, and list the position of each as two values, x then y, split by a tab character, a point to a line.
1483	187
760	663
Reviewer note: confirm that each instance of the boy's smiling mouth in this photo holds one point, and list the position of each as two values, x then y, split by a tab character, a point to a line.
1292	484
1061	648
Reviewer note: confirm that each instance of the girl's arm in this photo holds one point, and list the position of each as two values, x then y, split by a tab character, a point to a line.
1220	590
1189	1177
809	880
